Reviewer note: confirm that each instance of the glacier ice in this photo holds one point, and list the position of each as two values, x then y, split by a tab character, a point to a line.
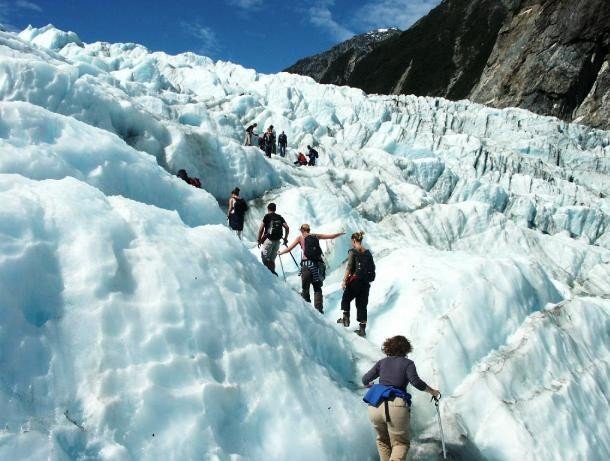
135	326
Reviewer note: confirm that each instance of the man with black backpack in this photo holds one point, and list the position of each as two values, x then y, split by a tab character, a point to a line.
236	212
359	274
313	269
269	236
313	155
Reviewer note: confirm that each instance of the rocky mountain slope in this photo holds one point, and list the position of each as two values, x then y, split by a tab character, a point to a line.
548	56
337	64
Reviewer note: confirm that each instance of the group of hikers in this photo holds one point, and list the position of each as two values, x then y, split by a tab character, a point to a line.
267	143
388	401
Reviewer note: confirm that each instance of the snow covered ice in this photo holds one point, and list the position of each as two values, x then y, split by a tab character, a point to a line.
135	325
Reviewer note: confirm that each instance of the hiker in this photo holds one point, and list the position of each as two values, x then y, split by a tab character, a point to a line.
301	159
359	273
269	236
313	268
192	181
391	420
313	155
269	141
282	141
249	134
236	212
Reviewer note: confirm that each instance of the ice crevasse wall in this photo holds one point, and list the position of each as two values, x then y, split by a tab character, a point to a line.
135	326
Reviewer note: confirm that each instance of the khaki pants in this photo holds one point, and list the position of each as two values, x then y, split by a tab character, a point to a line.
393	439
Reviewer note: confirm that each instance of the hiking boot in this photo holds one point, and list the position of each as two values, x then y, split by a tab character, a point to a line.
344	320
318	302
361	331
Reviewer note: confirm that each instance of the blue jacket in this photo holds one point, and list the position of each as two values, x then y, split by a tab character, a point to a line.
379	393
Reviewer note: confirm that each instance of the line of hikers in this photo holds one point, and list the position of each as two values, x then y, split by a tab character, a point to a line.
267	143
388	401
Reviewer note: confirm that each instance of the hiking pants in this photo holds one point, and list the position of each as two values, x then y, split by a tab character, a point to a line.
248	139
282	150
393	439
306	281
358	289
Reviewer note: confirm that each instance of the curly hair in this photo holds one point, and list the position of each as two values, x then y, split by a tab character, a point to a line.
397	346
358	236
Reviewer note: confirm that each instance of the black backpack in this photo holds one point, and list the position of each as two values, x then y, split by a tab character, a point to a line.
275	228
311	248
240	207
365	266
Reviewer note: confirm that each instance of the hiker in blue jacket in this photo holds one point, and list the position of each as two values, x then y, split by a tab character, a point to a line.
391	420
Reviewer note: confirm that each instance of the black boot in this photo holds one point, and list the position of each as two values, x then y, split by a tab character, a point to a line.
362	330
345	319
318	302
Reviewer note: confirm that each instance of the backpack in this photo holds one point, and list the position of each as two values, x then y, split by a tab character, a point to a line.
365	266
311	248
274	229
240	206
282	139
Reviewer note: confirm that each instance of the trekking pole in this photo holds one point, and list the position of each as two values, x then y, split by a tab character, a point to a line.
282	266
440	424
295	261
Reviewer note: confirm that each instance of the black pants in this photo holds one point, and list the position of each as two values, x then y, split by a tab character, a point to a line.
306	282
358	289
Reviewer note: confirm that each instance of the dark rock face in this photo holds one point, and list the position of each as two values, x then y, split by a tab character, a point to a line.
443	54
548	56
336	65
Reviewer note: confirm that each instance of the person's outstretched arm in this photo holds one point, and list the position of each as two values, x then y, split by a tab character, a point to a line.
418	383
286	231
289	248
329	236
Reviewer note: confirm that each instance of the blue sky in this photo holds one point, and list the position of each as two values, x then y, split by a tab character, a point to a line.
267	35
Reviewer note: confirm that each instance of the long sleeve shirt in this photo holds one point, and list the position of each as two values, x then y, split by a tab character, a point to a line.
395	371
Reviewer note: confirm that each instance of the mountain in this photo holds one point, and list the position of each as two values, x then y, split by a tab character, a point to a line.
136	325
548	56
336	65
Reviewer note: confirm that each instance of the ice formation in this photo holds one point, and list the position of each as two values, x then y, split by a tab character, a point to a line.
136	326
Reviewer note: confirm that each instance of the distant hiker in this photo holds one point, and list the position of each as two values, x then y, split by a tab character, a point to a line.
269	236
269	141
359	274
301	159
282	141
313	155
249	134
236	212
313	269
185	177
389	402
261	143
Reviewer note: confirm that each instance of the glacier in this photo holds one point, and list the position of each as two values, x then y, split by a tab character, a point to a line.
136	326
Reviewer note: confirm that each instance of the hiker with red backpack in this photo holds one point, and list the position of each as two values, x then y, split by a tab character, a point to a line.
269	236
313	269
195	182
301	159
359	273
236	212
